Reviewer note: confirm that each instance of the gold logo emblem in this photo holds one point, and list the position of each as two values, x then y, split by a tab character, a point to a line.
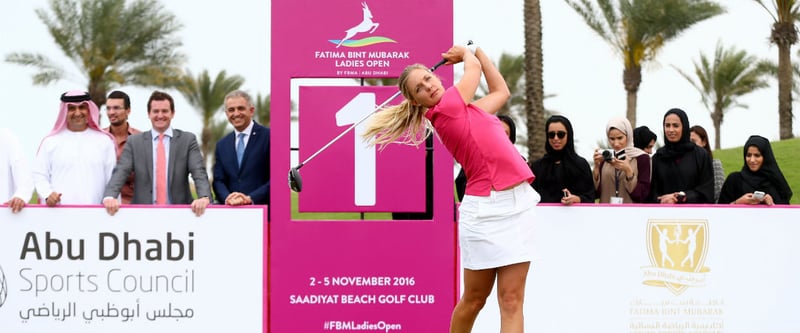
677	250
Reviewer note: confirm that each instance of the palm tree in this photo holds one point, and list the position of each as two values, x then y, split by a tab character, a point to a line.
534	82
784	34
511	68
374	81
208	97
731	74
263	109
220	128
110	43
638	29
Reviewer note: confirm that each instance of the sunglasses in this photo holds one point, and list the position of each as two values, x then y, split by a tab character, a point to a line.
560	134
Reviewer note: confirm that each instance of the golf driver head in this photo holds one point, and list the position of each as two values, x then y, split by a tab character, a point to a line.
295	181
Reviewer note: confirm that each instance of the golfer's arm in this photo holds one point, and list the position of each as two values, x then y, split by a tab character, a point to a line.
471	79
498	90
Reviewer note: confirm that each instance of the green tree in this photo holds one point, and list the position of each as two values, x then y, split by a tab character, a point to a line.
784	34
534	78
373	81
720	81
511	68
263	109
110	43
638	29
207	97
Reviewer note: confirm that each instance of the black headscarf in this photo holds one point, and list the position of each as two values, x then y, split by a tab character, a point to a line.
512	133
569	147
642	136
672	150
567	155
769	173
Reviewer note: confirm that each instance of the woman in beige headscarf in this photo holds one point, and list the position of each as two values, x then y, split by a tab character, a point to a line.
621	174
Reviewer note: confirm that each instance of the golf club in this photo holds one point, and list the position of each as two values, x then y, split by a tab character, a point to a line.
296	182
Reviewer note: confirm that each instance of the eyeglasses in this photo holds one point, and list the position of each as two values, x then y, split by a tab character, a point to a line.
115	108
560	134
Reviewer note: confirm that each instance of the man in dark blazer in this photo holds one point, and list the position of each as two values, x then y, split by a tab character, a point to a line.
183	157
241	158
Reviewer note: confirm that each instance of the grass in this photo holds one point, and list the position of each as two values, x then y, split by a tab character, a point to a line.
787	153
335	216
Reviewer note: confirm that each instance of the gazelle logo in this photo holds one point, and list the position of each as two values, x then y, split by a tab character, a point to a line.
677	250
3	287
366	25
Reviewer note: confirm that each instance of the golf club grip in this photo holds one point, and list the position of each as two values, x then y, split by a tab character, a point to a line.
442	62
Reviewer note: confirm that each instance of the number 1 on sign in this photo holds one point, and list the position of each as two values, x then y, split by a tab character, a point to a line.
364	163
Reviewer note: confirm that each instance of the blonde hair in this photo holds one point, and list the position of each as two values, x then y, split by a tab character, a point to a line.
404	123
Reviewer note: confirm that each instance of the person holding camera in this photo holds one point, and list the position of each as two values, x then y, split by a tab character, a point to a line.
682	171
621	174
561	175
760	181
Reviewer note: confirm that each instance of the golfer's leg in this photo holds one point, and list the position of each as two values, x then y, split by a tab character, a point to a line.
510	296
478	285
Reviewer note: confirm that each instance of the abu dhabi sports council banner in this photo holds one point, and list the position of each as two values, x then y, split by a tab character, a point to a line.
633	269
77	269
660	269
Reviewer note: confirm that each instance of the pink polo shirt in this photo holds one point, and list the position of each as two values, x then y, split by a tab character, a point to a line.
476	139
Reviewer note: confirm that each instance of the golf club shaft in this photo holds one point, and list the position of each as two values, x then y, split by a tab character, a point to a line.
349	129
442	62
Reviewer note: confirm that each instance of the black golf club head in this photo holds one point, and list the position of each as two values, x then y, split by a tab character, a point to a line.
295	181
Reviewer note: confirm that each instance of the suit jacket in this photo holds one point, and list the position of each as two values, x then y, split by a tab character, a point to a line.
252	178
184	157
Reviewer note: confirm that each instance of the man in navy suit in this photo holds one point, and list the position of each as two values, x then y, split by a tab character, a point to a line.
241	158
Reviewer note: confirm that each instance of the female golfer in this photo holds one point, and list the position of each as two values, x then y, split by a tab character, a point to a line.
496	215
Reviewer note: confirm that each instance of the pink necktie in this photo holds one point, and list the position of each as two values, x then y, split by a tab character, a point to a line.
161	172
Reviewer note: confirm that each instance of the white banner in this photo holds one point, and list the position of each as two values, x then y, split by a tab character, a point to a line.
77	269
661	269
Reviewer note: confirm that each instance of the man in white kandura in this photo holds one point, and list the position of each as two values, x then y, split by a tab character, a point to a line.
75	160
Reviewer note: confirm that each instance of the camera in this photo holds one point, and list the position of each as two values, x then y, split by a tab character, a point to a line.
609	155
758	195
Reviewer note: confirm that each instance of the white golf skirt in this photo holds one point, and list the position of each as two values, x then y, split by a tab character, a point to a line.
497	230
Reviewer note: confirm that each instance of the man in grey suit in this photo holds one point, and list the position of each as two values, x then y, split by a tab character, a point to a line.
141	155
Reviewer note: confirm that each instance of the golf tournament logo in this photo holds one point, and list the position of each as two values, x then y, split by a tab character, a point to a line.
3	287
677	251
366	25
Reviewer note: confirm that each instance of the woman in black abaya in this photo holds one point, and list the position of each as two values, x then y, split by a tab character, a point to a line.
760	173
